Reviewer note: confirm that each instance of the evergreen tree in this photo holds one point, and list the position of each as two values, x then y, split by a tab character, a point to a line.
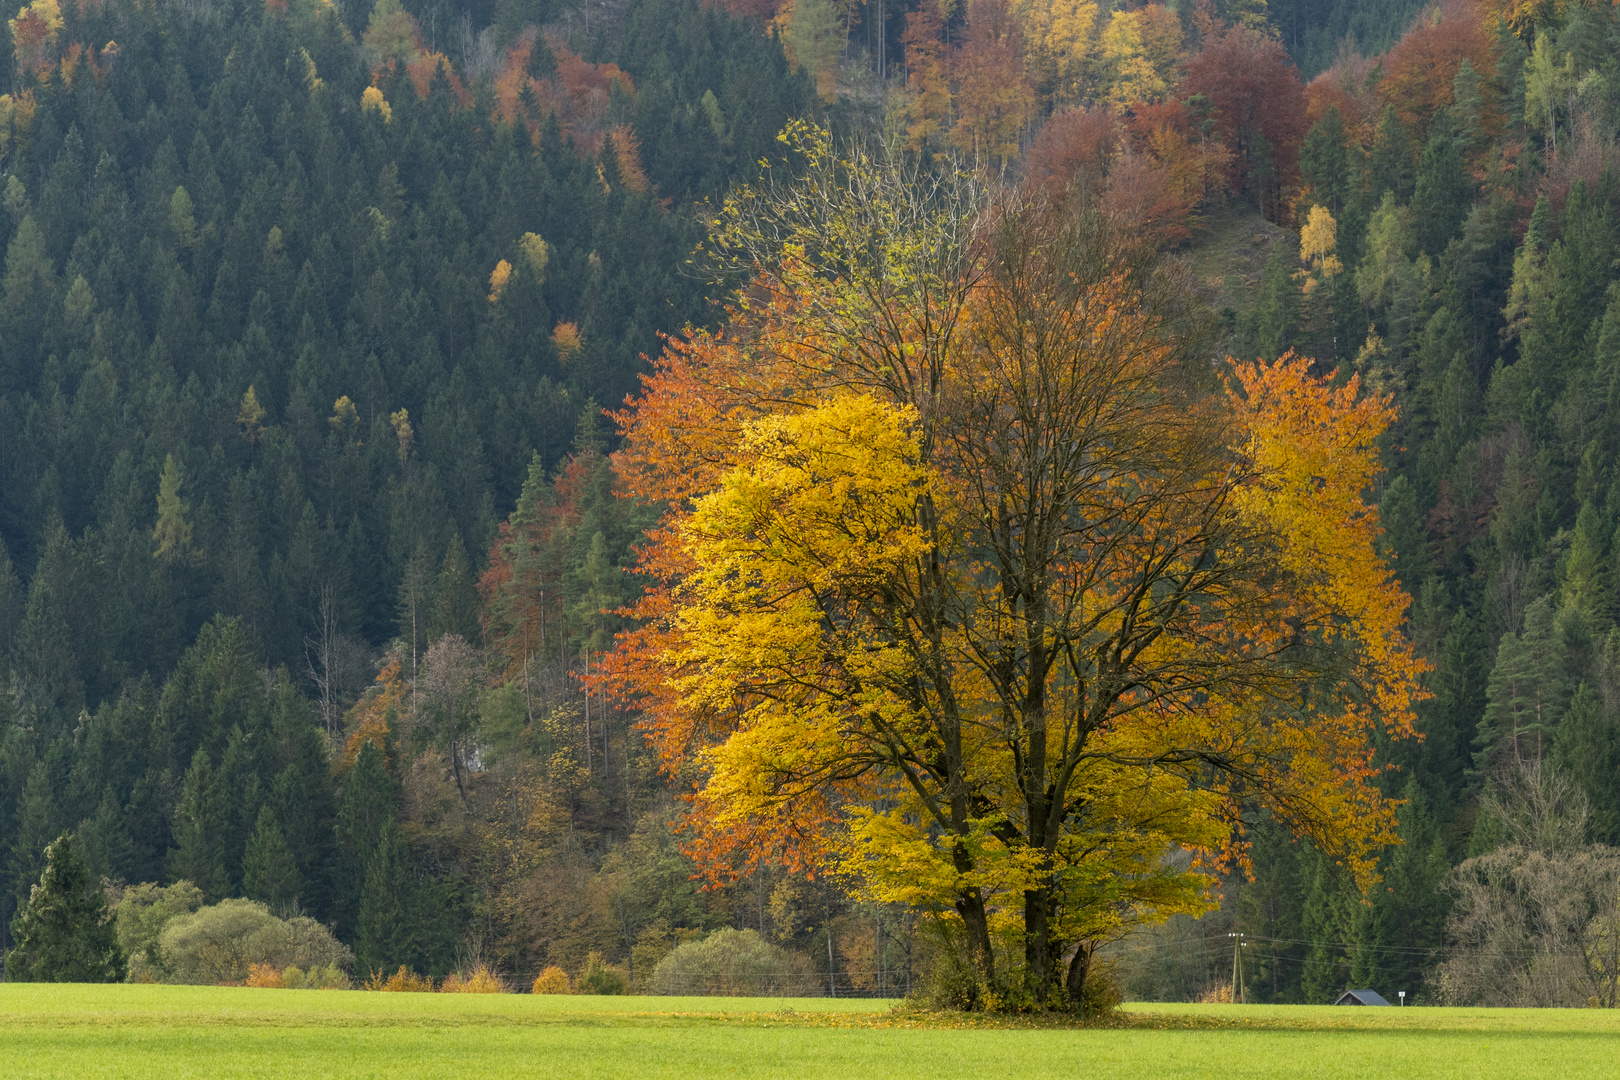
1277	316
268	870
1389	166
1443	192
200	823
1398	932
455	599
369	805
1587	749
385	933
65	932
1524	697
1325	971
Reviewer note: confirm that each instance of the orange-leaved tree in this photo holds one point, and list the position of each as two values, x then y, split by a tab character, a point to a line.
979	586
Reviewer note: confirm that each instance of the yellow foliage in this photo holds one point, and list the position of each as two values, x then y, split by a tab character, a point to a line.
264	976
1317	241
344	415
402	981
553	980
372	100
565	337
536	252
1059	37
480	981
498	279
250	415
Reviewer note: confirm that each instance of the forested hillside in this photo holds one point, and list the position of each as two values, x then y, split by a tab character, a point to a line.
316	537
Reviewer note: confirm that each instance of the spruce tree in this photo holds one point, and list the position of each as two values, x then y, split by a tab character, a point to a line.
200	823
385	932
1389	166
1277	317
455	599
1443	191
65	932
268	870
369	805
1587	749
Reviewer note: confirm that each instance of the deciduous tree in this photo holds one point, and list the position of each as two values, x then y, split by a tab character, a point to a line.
976	586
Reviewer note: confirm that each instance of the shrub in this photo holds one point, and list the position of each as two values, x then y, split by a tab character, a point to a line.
142	913
402	981
219	944
330	977
736	963
480	981
598	977
266	976
553	980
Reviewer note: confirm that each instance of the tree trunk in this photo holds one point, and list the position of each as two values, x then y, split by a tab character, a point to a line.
1079	967
976	922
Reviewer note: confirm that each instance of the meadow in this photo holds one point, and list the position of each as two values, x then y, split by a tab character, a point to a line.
178	1033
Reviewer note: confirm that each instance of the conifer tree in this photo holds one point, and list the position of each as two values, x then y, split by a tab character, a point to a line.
268	870
455	599
200	823
1587	750
385	931
369	805
1389	166
1442	192
65	932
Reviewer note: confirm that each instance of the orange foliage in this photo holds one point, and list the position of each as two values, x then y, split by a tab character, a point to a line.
928	94
480	981
1255	90
1074	145
264	976
993	97
426	66
1301	467
626	150
578	94
33	35
402	981
368	720
1419	70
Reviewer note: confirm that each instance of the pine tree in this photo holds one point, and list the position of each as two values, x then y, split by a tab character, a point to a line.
65	933
173	531
200	823
1324	973
1399	930
268	870
36	824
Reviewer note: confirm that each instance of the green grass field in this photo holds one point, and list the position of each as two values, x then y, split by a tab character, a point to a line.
185	1032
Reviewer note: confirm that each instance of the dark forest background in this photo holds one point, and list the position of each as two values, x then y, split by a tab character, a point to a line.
301	317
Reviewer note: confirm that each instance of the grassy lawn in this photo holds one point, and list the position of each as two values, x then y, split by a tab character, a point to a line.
184	1032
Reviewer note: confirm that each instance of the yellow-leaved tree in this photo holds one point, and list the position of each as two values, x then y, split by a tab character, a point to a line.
979	586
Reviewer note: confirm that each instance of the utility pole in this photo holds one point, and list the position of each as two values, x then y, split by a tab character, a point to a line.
1238	945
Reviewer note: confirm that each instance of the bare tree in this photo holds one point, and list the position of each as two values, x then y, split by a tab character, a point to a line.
452	684
1537	921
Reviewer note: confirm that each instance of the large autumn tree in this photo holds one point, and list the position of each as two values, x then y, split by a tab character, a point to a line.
981	586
